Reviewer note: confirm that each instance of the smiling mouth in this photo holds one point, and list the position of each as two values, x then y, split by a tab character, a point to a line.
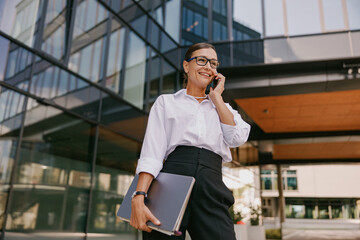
205	74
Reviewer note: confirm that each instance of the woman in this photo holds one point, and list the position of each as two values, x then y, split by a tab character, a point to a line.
193	132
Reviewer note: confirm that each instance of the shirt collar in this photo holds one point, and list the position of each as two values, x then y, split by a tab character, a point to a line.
182	92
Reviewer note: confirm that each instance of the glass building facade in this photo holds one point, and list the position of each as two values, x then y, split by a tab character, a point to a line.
78	77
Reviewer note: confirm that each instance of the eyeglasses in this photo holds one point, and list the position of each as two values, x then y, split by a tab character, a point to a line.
202	61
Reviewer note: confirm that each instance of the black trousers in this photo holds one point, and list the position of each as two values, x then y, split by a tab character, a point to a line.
207	214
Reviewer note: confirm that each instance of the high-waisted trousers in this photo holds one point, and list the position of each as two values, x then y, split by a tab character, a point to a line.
207	214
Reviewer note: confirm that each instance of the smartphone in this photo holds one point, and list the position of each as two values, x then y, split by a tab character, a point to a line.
212	84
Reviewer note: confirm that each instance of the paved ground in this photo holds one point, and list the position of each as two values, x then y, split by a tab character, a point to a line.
312	234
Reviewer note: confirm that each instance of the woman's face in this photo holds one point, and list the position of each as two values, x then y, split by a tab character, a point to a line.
200	76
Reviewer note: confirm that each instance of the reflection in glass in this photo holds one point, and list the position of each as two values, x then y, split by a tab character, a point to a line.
11	108
223	53
88	44
333	15
154	76
116	52
248	52
194	23
274	17
247	20
54	37
58	86
155	34
140	25
353	7
169	78
266	183
18	18
118	5
167	44
53	178
11	114
89	13
336	209
323	210
15	65
111	181
291	183
219	24
135	71
303	17
172	18
122	118
158	13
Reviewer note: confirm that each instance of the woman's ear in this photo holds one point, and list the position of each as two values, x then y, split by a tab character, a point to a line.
186	66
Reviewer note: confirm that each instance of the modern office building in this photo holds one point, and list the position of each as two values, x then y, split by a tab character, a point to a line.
311	193
78	78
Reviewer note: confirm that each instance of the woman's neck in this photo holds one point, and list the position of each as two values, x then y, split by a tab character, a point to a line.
195	92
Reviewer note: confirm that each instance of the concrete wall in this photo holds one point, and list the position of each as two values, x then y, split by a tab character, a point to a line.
324	181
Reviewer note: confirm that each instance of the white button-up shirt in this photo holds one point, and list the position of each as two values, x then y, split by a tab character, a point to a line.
179	119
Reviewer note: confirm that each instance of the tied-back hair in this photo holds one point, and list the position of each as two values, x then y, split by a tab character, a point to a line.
189	53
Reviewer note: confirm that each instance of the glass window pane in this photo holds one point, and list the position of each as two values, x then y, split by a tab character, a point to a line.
140	25
169	78
15	65
195	23
88	43
323	210
297	211
52	182
116	52
154	76
303	17
122	117
223	53
9	133
167	44
10	71
172	18
291	183
4	61
333	15
155	31
114	170
135	71
19	18
353	8
54	37
65	90
247	19
219	25
158	15
266	183
274	17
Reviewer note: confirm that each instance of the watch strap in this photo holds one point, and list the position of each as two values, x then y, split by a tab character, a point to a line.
138	193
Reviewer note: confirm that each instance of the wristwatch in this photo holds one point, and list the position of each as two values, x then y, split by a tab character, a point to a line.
138	193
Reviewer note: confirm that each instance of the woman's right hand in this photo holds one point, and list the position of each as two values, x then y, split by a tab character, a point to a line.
140	214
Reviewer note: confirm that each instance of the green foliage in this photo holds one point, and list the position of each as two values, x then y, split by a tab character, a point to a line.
273	233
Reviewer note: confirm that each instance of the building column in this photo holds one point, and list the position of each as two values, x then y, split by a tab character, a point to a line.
281	195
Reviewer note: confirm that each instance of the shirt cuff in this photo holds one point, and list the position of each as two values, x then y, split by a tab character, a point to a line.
228	131
149	165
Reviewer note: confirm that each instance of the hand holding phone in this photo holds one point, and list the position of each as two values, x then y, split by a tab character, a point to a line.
212	84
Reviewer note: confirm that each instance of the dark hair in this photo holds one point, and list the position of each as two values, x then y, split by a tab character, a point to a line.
189	53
